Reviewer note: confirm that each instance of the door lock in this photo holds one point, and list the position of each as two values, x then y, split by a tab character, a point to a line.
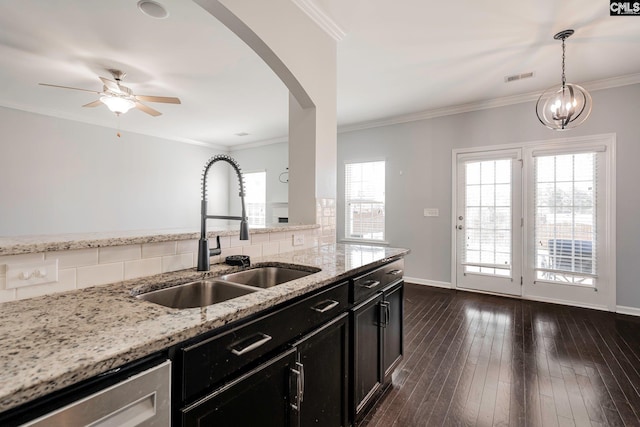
460	227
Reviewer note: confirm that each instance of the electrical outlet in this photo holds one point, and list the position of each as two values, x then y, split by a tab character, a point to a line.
298	239
431	212
32	273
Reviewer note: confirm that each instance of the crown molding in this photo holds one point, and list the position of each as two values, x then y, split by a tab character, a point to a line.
317	15
591	86
233	148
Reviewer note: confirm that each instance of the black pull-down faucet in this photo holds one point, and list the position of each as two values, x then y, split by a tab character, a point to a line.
204	253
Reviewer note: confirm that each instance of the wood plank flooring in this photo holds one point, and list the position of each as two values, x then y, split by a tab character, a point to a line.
482	360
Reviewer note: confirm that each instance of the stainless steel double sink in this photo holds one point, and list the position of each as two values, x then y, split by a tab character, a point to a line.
205	292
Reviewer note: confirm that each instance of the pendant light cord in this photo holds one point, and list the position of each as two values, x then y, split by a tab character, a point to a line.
564	80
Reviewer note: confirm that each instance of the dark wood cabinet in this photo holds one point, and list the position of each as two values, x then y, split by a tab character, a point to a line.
367	356
261	397
392	338
377	347
324	358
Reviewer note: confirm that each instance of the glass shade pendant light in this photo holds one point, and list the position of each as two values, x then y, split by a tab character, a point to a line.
565	106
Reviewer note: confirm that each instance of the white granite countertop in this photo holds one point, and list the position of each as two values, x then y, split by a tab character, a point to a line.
14	245
50	342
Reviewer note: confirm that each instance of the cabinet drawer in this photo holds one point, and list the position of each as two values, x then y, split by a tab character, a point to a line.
210	362
372	282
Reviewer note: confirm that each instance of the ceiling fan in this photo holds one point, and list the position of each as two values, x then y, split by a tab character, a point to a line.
119	98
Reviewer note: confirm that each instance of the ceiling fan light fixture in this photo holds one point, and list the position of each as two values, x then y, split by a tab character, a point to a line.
116	104
565	106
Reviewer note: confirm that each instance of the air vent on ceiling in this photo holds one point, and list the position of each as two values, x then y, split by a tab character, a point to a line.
515	77
241	134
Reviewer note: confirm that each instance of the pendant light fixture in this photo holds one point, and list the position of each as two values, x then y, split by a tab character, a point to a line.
565	106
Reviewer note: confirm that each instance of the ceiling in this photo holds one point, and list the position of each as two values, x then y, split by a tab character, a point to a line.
395	59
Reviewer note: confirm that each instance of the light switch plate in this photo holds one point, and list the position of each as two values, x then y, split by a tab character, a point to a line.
431	212
32	273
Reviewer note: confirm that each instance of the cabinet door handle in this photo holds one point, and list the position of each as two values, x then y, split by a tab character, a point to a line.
370	284
325	306
251	343
300	367
387	309
396	272
299	373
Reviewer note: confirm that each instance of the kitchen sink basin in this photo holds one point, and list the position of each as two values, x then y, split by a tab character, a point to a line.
197	294
266	277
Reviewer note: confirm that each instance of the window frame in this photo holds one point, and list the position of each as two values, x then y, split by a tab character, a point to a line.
347	237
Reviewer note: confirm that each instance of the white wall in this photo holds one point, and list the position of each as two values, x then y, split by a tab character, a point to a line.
421	150
60	176
272	158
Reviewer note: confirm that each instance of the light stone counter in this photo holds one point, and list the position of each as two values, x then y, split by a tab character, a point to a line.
15	245
50	342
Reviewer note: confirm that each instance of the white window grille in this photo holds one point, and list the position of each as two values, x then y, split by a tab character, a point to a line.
565	224
487	247
365	201
255	187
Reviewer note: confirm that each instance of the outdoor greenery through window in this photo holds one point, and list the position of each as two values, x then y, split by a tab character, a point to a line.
364	200
255	187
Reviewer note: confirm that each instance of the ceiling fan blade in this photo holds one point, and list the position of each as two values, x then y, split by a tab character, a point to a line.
140	106
93	104
165	99
67	87
111	85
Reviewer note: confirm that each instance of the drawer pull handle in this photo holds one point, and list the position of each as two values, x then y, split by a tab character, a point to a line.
395	272
325	306
370	284
250	343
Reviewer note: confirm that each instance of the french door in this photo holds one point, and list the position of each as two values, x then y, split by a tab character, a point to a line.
488	221
537	221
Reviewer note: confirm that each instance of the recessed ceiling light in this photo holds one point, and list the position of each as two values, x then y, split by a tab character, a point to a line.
241	134
152	9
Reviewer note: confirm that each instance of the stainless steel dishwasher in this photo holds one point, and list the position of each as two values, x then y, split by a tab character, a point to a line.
143	399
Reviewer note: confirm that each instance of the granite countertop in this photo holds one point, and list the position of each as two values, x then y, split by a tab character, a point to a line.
14	245
53	341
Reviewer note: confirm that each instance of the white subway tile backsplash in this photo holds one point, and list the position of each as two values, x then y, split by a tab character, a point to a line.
259	238
112	254
274	237
235	241
272	248
17	259
286	246
185	246
74	258
177	262
7	295
252	251
142	267
100	274
157	249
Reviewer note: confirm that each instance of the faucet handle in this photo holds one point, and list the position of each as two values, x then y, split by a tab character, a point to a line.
216	250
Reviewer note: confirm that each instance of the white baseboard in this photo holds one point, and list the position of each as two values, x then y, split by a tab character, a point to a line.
424	282
631	311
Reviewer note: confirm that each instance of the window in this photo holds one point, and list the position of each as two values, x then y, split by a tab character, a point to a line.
565	218
364	200
255	187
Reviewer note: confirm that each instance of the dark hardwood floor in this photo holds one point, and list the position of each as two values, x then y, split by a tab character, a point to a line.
474	359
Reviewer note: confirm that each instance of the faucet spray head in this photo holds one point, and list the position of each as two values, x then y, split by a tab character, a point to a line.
244	230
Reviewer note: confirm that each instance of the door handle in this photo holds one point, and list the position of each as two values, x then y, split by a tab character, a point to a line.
299	397
325	306
249	344
370	284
